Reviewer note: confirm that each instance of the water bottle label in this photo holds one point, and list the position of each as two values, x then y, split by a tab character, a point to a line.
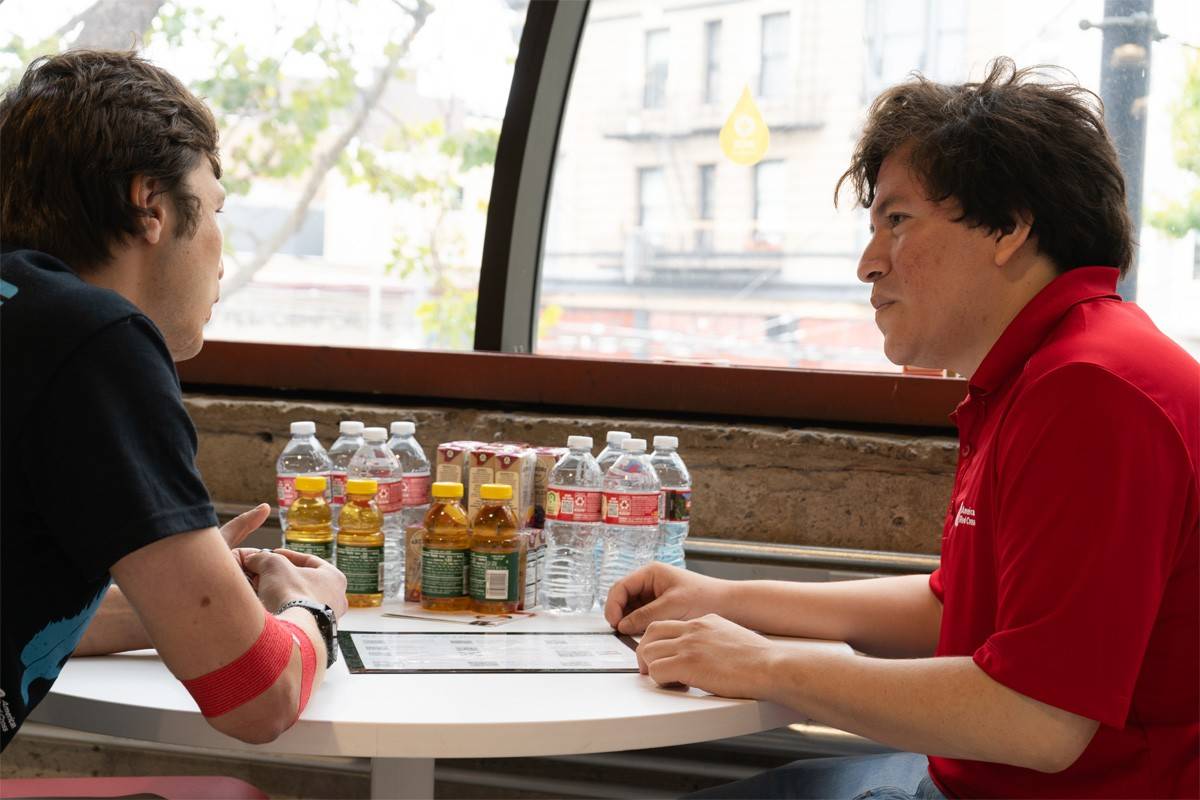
443	572
573	505
363	568
631	509
677	505
319	549
337	480
285	490
494	576
391	496
416	489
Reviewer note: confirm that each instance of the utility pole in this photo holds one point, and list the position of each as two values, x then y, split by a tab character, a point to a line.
1129	27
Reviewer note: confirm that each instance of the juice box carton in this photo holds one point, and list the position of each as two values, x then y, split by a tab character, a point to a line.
413	539
547	457
503	463
533	566
453	463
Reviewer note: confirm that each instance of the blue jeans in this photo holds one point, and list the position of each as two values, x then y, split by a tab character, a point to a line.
891	776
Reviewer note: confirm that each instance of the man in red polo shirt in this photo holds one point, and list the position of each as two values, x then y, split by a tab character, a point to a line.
1056	651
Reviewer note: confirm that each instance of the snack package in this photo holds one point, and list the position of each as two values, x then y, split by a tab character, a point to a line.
547	457
503	463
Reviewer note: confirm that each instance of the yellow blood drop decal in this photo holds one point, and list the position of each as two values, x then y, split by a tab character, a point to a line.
745	137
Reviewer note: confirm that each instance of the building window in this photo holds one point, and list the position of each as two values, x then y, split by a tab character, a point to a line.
706	178
652	200
773	60
657	59
769	204
712	60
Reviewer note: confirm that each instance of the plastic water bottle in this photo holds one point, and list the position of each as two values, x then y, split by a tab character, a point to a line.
303	455
631	511
608	456
415	465
350	438
612	449
677	499
375	460
573	499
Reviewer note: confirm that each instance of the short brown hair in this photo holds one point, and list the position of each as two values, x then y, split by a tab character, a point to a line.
1014	144
75	131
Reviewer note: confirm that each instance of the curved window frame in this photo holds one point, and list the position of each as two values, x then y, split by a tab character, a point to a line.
502	368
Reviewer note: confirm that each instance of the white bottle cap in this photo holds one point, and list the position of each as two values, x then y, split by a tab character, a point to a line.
304	428
375	434
633	444
403	428
350	428
616	437
670	442
579	442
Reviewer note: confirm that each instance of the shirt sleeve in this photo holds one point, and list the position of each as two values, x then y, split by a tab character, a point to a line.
112	464
1091	483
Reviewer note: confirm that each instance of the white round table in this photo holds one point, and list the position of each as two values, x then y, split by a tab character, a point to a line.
402	722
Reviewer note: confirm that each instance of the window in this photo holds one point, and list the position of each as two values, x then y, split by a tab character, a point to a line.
653	206
357	142
657	60
706	177
773	59
712	60
770	195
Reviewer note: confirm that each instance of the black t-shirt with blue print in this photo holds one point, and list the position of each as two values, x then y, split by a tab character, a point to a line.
97	459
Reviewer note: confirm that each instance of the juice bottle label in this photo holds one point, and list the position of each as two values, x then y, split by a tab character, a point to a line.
573	505
337	482
391	496
677	505
416	489
443	572
631	509
494	576
320	549
362	567
285	490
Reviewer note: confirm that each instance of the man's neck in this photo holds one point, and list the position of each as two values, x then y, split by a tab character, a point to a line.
1004	302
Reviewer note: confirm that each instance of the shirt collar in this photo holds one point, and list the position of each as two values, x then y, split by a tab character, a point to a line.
1033	322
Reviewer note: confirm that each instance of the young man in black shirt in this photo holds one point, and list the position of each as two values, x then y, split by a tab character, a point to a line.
110	266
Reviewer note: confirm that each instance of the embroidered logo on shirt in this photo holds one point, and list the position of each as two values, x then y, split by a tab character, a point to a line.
965	515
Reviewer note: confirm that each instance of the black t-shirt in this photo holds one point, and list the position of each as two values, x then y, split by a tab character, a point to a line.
97	459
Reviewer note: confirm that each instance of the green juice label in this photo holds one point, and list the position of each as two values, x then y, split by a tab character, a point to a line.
362	567
494	576
443	572
320	549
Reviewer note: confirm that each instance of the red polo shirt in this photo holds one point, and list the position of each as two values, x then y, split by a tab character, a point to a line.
1070	570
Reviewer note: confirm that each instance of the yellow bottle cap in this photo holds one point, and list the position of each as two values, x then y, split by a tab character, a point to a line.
447	489
362	486
495	491
310	483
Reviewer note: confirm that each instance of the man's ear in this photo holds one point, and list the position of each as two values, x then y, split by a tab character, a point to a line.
1007	244
145	193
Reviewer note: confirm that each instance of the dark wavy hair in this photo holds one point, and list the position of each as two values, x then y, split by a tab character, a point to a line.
75	131
1016	144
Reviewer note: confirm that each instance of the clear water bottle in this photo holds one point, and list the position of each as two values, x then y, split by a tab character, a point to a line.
350	439
573	499
375	460
612	449
632	495
677	500
608	456
303	455
417	480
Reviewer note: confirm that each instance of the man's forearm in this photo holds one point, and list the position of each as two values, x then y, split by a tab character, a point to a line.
896	617
115	628
938	706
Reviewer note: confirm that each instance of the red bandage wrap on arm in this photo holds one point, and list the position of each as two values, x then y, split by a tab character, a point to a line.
255	671
308	663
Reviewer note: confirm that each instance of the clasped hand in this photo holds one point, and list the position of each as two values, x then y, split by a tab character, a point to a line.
685	640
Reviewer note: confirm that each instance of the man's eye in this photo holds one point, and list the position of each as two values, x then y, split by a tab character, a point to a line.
895	219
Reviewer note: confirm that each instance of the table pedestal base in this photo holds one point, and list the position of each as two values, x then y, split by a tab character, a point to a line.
402	778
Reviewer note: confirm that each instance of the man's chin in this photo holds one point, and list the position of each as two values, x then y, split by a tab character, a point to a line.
189	350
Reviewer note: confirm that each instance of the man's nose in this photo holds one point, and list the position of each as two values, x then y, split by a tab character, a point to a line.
221	270
874	262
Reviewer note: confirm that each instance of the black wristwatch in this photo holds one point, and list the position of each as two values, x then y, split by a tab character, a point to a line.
326	623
